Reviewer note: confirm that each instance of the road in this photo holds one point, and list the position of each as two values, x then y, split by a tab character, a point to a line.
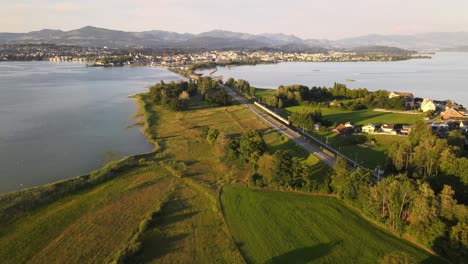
282	128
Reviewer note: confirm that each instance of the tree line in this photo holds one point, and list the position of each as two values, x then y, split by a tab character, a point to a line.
360	98
242	86
425	196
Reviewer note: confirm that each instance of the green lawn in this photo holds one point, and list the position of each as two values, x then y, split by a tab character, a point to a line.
361	117
369	155
276	227
263	92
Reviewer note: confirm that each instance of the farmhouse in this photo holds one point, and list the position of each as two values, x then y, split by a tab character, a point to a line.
408	98
428	105
369	128
405	130
343	130
388	128
453	114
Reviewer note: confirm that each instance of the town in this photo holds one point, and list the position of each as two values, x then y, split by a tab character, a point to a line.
179	58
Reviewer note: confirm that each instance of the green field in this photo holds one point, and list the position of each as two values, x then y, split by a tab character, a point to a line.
263	92
362	117
277	227
90	225
369	154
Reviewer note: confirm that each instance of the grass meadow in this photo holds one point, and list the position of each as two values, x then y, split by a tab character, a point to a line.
361	117
279	227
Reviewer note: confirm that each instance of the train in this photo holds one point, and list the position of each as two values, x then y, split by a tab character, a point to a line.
280	118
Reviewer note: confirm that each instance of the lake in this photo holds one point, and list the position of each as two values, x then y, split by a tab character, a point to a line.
445	76
60	120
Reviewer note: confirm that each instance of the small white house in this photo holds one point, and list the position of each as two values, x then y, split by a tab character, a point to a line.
369	128
427	105
464	126
390	129
406	130
317	126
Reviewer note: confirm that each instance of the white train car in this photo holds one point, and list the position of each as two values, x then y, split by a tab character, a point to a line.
280	118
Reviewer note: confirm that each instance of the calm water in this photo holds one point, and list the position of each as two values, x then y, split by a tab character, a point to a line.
445	76
61	120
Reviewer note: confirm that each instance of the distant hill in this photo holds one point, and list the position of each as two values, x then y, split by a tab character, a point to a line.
221	39
426	41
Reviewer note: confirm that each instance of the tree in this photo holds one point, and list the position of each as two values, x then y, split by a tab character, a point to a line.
424	221
280	103
420	131
426	156
230	82
352	187
251	145
400	154
391	200
456	139
282	168
447	203
304	119
459	239
252	91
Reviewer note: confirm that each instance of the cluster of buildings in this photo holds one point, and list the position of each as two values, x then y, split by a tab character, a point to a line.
442	129
448	110
41	52
264	56
169	58
452	116
348	129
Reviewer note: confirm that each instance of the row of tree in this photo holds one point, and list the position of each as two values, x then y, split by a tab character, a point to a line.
406	205
242	86
306	119
291	95
434	160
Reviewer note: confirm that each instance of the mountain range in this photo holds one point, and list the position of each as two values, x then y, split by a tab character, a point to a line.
220	39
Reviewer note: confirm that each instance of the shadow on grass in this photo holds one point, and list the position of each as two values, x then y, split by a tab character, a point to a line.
158	247
164	237
291	147
304	255
174	211
354	116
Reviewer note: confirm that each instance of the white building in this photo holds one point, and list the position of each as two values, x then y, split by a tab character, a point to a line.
369	128
428	105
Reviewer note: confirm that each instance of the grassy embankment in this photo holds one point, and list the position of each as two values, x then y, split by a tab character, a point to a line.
277	227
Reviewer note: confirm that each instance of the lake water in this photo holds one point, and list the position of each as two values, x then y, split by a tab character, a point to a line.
445	76
62	120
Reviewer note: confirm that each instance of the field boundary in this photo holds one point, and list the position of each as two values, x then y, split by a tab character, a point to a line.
220	193
395	111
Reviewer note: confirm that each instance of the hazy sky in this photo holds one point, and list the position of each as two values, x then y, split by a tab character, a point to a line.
305	18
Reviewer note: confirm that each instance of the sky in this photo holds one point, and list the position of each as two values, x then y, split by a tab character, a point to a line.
330	19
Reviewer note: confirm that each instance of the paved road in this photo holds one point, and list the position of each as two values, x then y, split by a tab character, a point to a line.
282	128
